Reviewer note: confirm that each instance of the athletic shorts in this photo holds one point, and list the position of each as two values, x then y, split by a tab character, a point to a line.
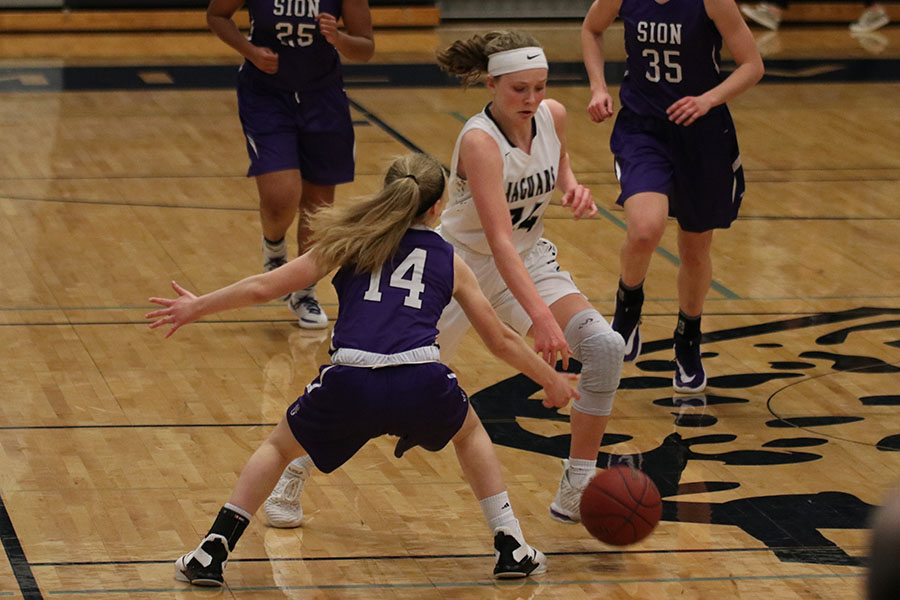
698	167
345	407
551	283
308	131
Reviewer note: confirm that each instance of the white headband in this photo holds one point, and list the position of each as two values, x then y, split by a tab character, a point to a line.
510	61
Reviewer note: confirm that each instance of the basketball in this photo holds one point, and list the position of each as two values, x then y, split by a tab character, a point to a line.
620	506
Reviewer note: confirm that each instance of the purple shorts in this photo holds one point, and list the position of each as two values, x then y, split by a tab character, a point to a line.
697	167
345	407
309	131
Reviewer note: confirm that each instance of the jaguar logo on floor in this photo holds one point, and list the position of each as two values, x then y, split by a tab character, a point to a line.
788	524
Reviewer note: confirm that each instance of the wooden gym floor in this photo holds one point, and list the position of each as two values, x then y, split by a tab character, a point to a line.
122	169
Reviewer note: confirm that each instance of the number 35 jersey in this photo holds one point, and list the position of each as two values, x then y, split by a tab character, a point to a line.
528	183
673	51
395	309
306	60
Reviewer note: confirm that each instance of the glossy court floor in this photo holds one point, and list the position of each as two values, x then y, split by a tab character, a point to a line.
123	168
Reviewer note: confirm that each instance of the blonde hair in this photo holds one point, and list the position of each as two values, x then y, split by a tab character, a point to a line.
468	59
366	233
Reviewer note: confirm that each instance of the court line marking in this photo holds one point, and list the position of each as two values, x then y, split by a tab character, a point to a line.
84	78
798	218
55	564
15	554
134	426
128	204
280	306
587	174
387	128
811	429
213	321
476	584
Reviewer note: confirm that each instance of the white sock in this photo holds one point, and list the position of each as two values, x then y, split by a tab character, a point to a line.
238	510
498	512
303	461
580	471
271	250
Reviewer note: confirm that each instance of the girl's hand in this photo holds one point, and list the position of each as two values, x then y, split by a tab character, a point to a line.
265	60
579	200
688	109
179	311
560	390
600	107
549	341
328	27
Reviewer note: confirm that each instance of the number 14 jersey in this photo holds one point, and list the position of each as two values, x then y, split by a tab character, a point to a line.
395	309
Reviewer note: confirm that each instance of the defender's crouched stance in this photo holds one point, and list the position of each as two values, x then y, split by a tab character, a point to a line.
396	276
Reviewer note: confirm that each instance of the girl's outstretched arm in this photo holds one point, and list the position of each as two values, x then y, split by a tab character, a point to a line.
256	289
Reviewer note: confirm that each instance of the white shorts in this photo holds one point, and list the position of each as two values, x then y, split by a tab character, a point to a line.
551	283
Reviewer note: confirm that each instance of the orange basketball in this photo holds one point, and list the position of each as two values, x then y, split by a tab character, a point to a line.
620	506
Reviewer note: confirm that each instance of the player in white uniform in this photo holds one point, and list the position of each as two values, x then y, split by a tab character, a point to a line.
507	162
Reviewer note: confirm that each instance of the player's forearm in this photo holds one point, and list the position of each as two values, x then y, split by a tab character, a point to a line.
227	31
514	351
246	292
355	47
740	80
566	180
594	62
518	280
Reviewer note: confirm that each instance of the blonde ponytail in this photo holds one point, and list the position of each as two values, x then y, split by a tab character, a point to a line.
366	233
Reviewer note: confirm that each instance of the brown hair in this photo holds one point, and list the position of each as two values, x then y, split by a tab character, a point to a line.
468	59
365	233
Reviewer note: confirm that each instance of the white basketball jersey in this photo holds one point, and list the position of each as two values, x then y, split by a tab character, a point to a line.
528	181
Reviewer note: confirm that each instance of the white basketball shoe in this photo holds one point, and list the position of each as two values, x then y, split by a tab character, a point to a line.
204	566
566	507
304	304
283	508
514	558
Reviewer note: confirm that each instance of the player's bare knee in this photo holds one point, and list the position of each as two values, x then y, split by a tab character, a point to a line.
695	260
279	213
600	351
645	236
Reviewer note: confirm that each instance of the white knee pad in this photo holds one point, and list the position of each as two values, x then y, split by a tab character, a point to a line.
600	351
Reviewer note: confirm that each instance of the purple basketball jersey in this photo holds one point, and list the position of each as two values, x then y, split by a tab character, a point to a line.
397	308
288	27
673	51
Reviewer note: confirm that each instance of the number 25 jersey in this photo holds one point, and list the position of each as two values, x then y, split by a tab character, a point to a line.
306	60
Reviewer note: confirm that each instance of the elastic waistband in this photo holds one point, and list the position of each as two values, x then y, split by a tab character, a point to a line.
350	357
256	80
